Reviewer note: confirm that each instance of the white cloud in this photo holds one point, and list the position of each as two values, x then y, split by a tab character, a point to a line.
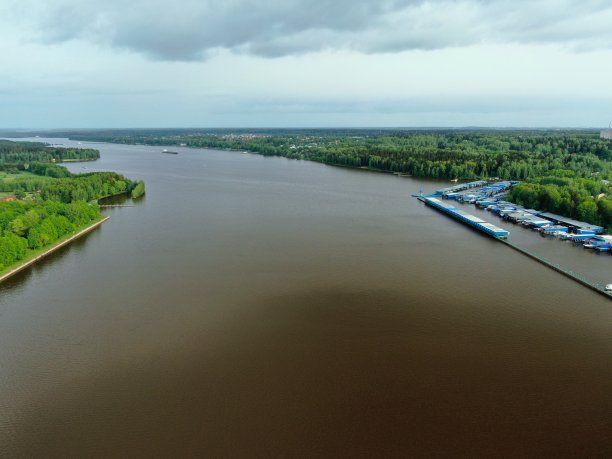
192	30
112	63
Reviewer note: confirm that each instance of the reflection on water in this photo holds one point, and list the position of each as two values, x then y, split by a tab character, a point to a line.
260	307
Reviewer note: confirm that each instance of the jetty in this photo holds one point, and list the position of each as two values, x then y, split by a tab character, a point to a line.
471	220
529	219
598	288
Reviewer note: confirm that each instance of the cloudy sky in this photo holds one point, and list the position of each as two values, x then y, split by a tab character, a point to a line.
292	63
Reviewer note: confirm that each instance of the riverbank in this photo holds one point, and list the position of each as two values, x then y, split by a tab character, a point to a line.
42	253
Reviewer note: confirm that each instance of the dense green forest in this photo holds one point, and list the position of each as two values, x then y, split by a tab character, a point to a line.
32	225
17	155
52	202
583	199
56	183
516	155
561	171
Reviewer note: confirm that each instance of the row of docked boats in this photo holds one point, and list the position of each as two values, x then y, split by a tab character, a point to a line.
490	191
530	218
490	197
492	200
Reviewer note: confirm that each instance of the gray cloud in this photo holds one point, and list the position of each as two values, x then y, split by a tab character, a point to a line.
184	30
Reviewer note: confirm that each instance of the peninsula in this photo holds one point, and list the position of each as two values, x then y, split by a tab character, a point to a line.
43	206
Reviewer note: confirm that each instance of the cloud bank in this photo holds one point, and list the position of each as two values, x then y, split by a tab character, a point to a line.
192	30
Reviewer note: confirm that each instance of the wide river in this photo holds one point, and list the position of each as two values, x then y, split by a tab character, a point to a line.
265	307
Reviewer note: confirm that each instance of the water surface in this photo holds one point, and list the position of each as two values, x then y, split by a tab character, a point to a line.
264	307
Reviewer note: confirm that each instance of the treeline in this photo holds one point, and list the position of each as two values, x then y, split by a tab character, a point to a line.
565	171
456	156
520	155
23	184
582	199
34	225
68	187
17	154
86	187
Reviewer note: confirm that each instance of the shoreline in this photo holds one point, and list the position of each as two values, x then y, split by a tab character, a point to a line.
25	264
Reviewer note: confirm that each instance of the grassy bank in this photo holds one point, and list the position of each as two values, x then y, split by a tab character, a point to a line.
36	255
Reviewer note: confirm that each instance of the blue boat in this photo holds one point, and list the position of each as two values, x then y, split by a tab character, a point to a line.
604	247
466	218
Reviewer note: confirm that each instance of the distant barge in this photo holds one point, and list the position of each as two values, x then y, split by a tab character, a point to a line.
169	152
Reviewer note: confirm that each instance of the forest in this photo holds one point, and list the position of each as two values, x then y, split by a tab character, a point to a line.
16	155
446	154
563	171
582	199
567	172
52	202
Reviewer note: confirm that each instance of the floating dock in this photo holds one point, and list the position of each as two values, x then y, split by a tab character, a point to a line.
466	218
460	187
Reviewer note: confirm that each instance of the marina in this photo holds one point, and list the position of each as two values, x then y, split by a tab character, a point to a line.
466	218
490	197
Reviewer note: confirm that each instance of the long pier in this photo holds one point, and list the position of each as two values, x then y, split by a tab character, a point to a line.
464	217
498	233
559	269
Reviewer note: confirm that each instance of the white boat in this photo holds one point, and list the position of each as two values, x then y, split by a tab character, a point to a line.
609	288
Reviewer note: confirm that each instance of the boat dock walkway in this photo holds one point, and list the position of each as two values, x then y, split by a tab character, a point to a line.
572	275
501	235
464	217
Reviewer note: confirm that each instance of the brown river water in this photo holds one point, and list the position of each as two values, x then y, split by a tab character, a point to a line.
265	307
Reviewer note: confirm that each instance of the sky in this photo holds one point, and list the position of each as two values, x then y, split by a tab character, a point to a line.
298	63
